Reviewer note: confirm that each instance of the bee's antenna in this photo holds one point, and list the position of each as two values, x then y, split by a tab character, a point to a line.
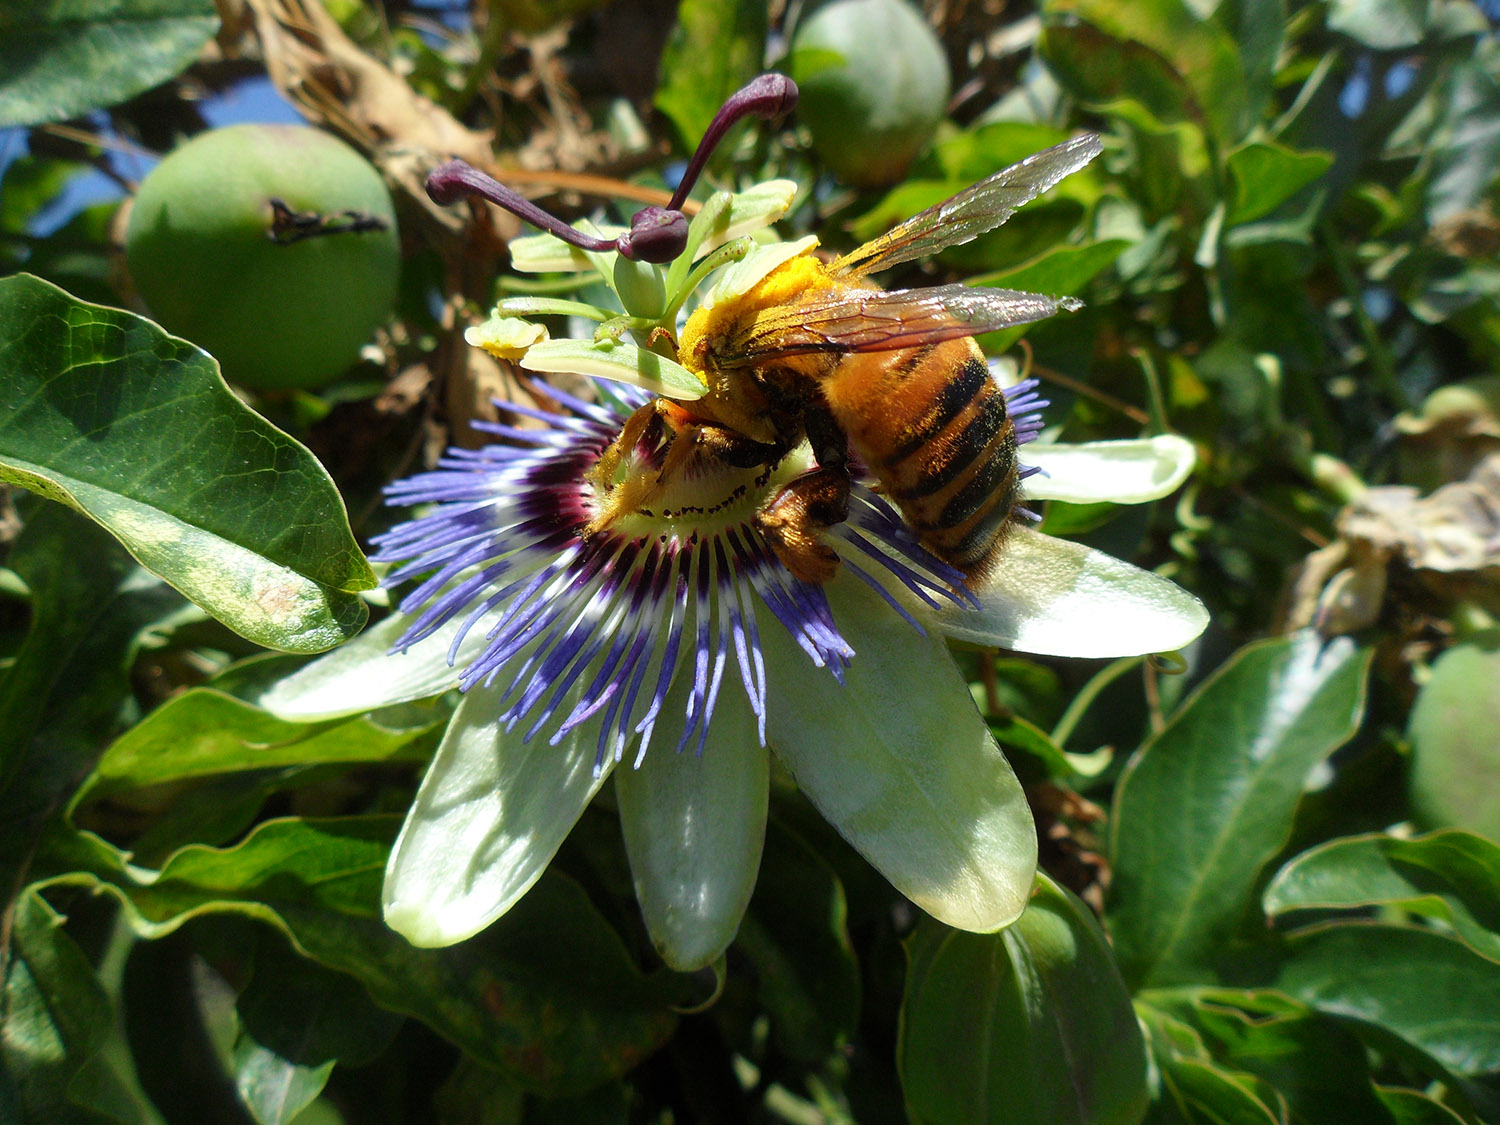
656	234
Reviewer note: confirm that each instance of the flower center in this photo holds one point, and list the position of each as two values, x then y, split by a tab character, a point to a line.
692	498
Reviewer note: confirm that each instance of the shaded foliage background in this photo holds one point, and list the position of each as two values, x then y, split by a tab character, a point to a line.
1288	254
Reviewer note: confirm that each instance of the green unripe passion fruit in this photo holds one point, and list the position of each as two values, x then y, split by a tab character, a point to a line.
282	294
873	85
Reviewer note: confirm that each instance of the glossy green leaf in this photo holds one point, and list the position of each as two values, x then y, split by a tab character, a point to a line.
1429	990
1032	1024
1455	770
54	1014
1382	25
1062	271
203	732
68	680
297	1020
1161	53
1205	1094
1204	805
548	995
795	936
104	412
61	58
716	47
1413	1107
1450	876
1318	1066
1266	175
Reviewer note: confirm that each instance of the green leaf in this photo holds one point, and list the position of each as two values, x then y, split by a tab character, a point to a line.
1413	1107
1451	876
1319	1067
1258	29
1205	804
1266	175
104	412
54	1015
795	936
1202	1092
297	1020
1432	992
1161	53
68	681
716	47
203	732
548	994
1060	272
1382	25
1466	160
1029	1025
62	58
1193	1087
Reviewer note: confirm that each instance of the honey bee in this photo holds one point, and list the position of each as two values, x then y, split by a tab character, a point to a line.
815	352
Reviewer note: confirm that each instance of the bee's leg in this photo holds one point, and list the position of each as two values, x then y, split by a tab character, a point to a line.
794	519
602	475
621	497
690	441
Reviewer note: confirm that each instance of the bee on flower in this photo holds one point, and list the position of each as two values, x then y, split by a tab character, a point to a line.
754	542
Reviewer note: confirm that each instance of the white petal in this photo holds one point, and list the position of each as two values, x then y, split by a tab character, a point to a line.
694	828
624	363
491	813
901	763
1059	598
1121	472
364	674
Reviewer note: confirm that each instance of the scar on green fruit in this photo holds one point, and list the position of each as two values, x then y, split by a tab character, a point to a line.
272	247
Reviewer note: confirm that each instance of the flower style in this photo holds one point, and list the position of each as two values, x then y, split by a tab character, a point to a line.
672	650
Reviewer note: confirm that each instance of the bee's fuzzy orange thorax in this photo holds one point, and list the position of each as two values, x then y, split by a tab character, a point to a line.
783	286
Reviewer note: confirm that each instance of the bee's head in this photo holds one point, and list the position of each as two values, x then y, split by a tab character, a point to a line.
657	234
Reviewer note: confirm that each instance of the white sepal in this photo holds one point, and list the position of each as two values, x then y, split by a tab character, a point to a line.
488	818
899	760
1118	472
1055	597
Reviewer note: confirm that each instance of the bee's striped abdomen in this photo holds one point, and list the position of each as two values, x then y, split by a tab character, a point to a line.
932	424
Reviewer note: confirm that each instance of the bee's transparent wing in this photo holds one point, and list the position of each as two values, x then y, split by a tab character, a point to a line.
877	320
972	211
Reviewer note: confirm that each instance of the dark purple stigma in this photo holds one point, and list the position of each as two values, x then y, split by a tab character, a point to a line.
656	234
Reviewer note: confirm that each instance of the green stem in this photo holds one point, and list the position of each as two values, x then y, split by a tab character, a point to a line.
729	252
1085	698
